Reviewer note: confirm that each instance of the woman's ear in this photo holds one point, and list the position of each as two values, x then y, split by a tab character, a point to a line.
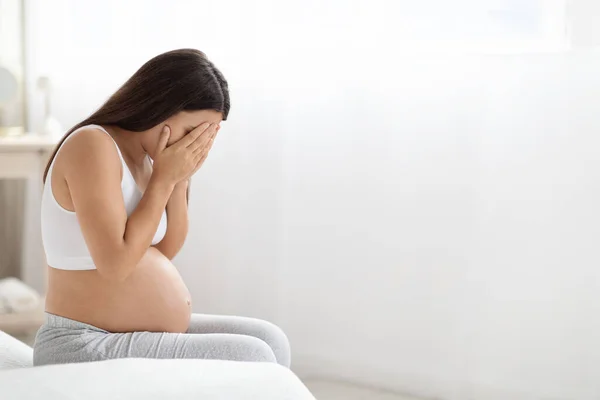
151	139
172	139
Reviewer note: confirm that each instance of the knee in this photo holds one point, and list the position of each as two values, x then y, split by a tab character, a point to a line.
277	341
255	349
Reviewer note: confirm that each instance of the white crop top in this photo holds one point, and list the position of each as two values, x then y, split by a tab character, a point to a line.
61	234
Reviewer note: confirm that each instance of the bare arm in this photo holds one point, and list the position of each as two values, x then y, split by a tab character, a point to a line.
177	222
177	206
93	175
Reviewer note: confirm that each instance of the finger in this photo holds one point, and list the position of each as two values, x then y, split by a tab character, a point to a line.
163	139
196	169
193	135
199	164
199	159
204	139
203	130
206	148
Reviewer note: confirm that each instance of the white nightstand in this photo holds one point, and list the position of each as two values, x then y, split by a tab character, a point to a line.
25	157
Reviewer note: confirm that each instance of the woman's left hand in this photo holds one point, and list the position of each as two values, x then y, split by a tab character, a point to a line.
184	184
205	152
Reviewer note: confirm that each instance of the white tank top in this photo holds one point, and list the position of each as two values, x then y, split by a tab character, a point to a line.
61	234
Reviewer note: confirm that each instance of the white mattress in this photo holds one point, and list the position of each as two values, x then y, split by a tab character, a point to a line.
13	354
153	379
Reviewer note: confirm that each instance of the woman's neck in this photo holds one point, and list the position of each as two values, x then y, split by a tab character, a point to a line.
130	144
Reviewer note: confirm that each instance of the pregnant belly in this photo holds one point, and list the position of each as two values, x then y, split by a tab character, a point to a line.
153	298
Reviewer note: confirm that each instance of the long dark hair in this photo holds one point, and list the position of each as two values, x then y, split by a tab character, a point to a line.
179	80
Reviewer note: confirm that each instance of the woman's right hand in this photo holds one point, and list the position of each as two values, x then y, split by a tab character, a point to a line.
177	162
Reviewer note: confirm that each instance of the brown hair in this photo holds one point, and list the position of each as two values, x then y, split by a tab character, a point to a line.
179	80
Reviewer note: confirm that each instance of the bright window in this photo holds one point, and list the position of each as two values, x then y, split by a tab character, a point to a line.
481	25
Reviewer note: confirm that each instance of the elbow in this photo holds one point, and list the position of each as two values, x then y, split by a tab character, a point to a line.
112	274
169	255
167	250
115	269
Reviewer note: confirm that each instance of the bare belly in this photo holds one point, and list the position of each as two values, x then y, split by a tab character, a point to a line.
153	298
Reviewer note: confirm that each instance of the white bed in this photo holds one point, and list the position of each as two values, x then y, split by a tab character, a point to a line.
145	379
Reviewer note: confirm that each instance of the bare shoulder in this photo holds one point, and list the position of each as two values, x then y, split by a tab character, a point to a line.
89	150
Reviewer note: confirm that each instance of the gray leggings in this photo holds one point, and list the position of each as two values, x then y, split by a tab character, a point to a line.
62	340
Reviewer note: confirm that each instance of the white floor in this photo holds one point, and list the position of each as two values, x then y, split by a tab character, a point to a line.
326	390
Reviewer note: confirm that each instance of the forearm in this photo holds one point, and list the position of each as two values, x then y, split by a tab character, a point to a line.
177	222
143	223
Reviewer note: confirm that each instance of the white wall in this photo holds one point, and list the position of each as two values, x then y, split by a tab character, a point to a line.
447	246
425	222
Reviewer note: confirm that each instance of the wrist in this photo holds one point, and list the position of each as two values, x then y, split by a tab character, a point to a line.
182	185
161	185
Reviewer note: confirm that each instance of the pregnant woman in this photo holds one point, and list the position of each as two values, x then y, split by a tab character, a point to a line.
114	214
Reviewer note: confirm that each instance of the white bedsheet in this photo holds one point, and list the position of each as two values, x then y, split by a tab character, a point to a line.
153	379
